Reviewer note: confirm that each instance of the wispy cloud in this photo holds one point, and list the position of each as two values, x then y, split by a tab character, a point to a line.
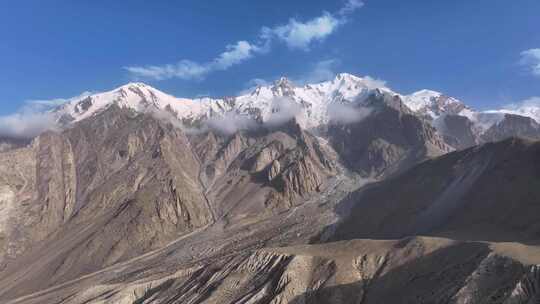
231	123
34	118
26	124
187	69
295	34
531	59
351	6
300	35
342	113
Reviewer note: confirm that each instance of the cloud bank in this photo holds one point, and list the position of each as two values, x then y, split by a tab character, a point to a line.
26	124
347	113
34	117
283	110
531	59
295	34
231	123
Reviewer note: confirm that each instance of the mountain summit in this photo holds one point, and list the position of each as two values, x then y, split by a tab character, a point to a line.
314	107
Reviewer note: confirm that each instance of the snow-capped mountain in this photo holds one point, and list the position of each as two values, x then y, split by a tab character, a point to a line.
309	103
434	104
530	108
139	97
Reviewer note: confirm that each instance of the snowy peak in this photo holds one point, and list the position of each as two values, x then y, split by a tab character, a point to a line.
434	104
283	87
529	108
310	102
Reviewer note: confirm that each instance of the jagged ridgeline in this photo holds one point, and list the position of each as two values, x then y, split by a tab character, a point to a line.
337	192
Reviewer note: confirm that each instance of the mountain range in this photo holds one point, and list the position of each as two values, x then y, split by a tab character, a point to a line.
338	192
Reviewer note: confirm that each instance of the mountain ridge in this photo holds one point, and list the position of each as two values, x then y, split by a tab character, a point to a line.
340	100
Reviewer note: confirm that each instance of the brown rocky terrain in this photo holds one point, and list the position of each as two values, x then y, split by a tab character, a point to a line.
125	207
122	184
389	140
512	126
485	193
411	270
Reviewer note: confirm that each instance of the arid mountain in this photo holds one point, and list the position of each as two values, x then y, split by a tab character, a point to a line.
119	184
458	131
512	126
391	138
485	193
326	193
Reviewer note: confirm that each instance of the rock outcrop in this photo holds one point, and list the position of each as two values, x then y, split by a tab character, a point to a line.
512	126
388	141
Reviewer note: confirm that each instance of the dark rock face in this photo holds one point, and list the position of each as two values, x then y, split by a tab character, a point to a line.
388	141
488	193
458	132
513	126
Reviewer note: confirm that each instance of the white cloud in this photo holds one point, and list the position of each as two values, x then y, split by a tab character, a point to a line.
283	110
187	69
347	113
295	34
351	6
26	124
34	117
298	35
531	58
236	54
231	123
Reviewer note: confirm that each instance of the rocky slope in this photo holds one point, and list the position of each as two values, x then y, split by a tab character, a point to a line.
142	197
412	270
485	193
392	138
512	126
120	184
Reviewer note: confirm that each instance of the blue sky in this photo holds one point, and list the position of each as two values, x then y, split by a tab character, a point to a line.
485	52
